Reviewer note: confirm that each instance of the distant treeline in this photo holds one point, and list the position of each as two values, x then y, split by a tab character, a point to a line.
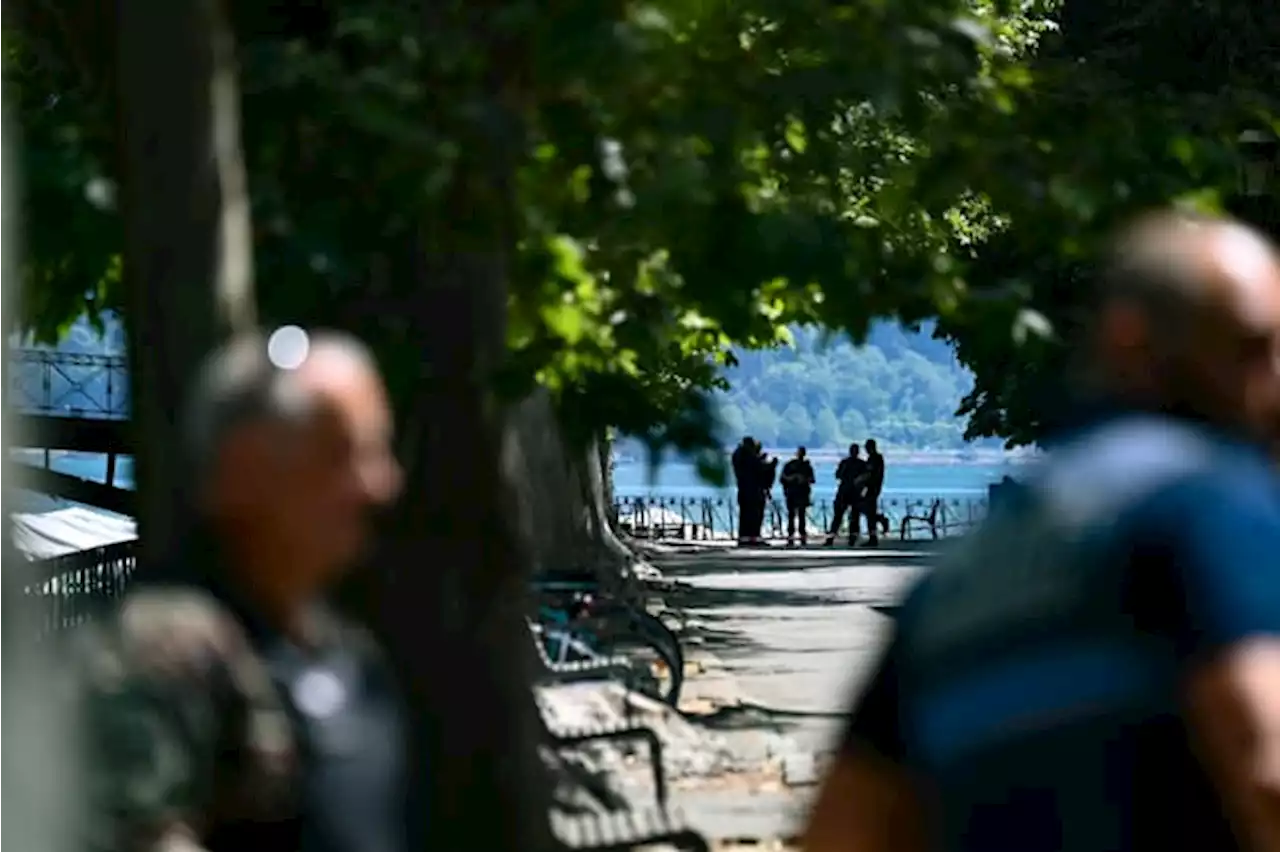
902	388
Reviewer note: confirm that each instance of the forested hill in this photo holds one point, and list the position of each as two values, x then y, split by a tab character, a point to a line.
901	388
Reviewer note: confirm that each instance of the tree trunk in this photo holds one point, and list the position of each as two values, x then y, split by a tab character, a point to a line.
452	597
559	494
598	476
188	257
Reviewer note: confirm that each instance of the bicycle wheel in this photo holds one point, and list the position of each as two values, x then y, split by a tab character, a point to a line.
667	645
630	632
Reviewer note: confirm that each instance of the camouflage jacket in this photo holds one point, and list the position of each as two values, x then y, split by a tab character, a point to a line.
186	734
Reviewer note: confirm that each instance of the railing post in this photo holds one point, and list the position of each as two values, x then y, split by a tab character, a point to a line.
46	383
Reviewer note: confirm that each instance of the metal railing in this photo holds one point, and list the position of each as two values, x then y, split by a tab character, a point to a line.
65	591
716	518
44	381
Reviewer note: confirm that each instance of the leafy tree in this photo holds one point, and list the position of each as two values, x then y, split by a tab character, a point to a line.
854	426
814	375
826	428
1170	92
597	199
733	423
763	424
760	180
797	427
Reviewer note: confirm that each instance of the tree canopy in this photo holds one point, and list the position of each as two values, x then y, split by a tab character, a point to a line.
1157	95
686	176
683	178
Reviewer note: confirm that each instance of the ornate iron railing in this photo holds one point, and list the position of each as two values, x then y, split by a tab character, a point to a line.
44	381
65	591
716	518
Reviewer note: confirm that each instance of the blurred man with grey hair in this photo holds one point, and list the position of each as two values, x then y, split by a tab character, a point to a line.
226	707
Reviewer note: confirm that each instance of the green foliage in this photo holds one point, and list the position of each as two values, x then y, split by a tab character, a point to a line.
667	180
1149	127
902	389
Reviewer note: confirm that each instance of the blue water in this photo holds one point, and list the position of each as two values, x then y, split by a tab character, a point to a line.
631	479
84	465
678	480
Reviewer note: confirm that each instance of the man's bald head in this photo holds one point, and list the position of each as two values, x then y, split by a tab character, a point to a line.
1175	261
1188	314
291	445
241	383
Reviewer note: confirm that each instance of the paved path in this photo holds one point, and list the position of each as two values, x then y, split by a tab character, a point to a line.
788	635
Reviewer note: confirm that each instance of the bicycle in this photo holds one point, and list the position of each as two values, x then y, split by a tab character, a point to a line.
579	625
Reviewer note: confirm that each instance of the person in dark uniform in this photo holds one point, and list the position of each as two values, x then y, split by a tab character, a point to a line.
746	475
768	476
850	478
874	482
225	706
797	486
1097	666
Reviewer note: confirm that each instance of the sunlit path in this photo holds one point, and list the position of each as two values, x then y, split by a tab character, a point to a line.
790	634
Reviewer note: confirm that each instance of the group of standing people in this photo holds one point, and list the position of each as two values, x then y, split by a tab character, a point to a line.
755	474
858	484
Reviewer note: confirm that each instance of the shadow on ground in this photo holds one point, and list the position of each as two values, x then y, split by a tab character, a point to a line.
700	598
724	642
742	717
780	560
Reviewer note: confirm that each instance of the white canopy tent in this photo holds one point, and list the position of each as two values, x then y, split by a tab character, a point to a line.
68	529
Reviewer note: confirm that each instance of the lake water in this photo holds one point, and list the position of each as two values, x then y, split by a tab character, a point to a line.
679	480
83	465
673	480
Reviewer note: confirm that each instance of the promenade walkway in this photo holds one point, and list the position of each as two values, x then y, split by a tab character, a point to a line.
785	638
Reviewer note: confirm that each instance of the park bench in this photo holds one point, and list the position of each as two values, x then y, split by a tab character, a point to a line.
656	522
613	620
625	830
604	668
930	521
565	738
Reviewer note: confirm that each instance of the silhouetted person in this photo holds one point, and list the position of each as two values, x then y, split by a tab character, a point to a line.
1097	665
873	478
746	474
768	475
797	487
228	707
850	479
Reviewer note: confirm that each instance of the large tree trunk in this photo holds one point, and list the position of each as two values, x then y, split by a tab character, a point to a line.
560	494
188	258
41	777
452	601
597	473
455	592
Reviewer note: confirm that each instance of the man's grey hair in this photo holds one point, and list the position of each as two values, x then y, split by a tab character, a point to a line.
239	384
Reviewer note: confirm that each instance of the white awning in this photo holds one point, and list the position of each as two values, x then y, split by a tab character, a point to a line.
42	535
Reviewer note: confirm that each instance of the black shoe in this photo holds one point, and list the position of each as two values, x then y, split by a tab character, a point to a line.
873	542
830	542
